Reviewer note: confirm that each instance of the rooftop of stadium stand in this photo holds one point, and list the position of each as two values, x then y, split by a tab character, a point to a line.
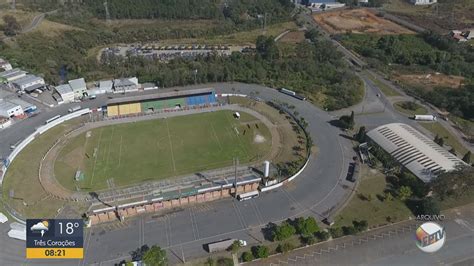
160	95
419	154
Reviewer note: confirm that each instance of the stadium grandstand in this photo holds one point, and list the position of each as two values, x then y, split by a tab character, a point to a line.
160	101
416	152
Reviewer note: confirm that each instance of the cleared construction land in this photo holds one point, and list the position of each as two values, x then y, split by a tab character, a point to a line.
430	80
158	149
357	21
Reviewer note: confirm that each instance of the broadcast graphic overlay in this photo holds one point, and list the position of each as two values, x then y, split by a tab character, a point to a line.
54	238
430	237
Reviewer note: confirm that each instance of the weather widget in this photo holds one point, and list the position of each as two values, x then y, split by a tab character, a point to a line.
54	238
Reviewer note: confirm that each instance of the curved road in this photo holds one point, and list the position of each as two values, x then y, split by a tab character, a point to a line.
316	192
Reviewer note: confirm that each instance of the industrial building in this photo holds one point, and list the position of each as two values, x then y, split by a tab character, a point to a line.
29	83
65	92
125	85
79	88
25	106
13	74
416	152
8	109
164	100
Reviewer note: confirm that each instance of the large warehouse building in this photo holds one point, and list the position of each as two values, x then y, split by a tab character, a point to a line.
164	100
416	152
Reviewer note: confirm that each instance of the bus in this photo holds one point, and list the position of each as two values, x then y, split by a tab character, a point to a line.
52	119
248	195
293	94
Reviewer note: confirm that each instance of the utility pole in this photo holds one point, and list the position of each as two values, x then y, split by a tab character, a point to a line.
107	14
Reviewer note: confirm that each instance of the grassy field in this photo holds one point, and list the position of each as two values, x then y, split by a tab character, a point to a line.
420	110
159	149
374	211
449	139
22	177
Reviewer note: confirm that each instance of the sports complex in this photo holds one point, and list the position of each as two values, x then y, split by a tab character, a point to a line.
149	152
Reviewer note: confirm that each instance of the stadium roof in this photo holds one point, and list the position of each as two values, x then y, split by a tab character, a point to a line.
419	154
161	95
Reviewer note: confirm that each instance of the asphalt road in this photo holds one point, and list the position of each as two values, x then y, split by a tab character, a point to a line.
388	246
316	192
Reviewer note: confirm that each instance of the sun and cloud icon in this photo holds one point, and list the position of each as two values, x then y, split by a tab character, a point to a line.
41	227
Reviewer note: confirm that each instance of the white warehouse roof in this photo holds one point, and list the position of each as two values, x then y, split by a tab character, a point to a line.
419	154
63	89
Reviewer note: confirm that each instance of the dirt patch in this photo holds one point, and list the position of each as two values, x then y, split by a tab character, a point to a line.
293	37
357	21
259	139
430	80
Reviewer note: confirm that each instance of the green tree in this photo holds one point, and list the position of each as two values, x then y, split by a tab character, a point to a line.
336	232
155	256
453	151
360	226
322	235
11	26
309	240
404	193
210	261
439	140
467	157
260	252
349	230
361	137
428	206
285	247
307	226
247	256
283	231
234	248
312	35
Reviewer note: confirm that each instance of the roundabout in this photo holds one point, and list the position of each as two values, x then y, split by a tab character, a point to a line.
318	191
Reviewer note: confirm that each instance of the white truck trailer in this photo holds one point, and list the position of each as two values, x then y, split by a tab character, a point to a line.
424	117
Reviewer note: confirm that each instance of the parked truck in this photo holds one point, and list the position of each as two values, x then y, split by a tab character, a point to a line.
224	244
424	117
74	108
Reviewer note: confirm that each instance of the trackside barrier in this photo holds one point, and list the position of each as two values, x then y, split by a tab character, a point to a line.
268	188
40	130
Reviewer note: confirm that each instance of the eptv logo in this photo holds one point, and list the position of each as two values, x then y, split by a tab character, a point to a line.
430	237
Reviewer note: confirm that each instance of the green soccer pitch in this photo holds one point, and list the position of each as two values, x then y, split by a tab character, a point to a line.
158	149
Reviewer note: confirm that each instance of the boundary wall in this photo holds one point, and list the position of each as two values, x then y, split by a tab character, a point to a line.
40	130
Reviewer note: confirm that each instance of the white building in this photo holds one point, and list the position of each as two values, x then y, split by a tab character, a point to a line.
78	87
29	83
125	85
66	93
13	74
25	106
5	122
8	109
423	2
416	152
5	65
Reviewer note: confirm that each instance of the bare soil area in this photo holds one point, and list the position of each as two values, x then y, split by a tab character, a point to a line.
430	80
357	21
